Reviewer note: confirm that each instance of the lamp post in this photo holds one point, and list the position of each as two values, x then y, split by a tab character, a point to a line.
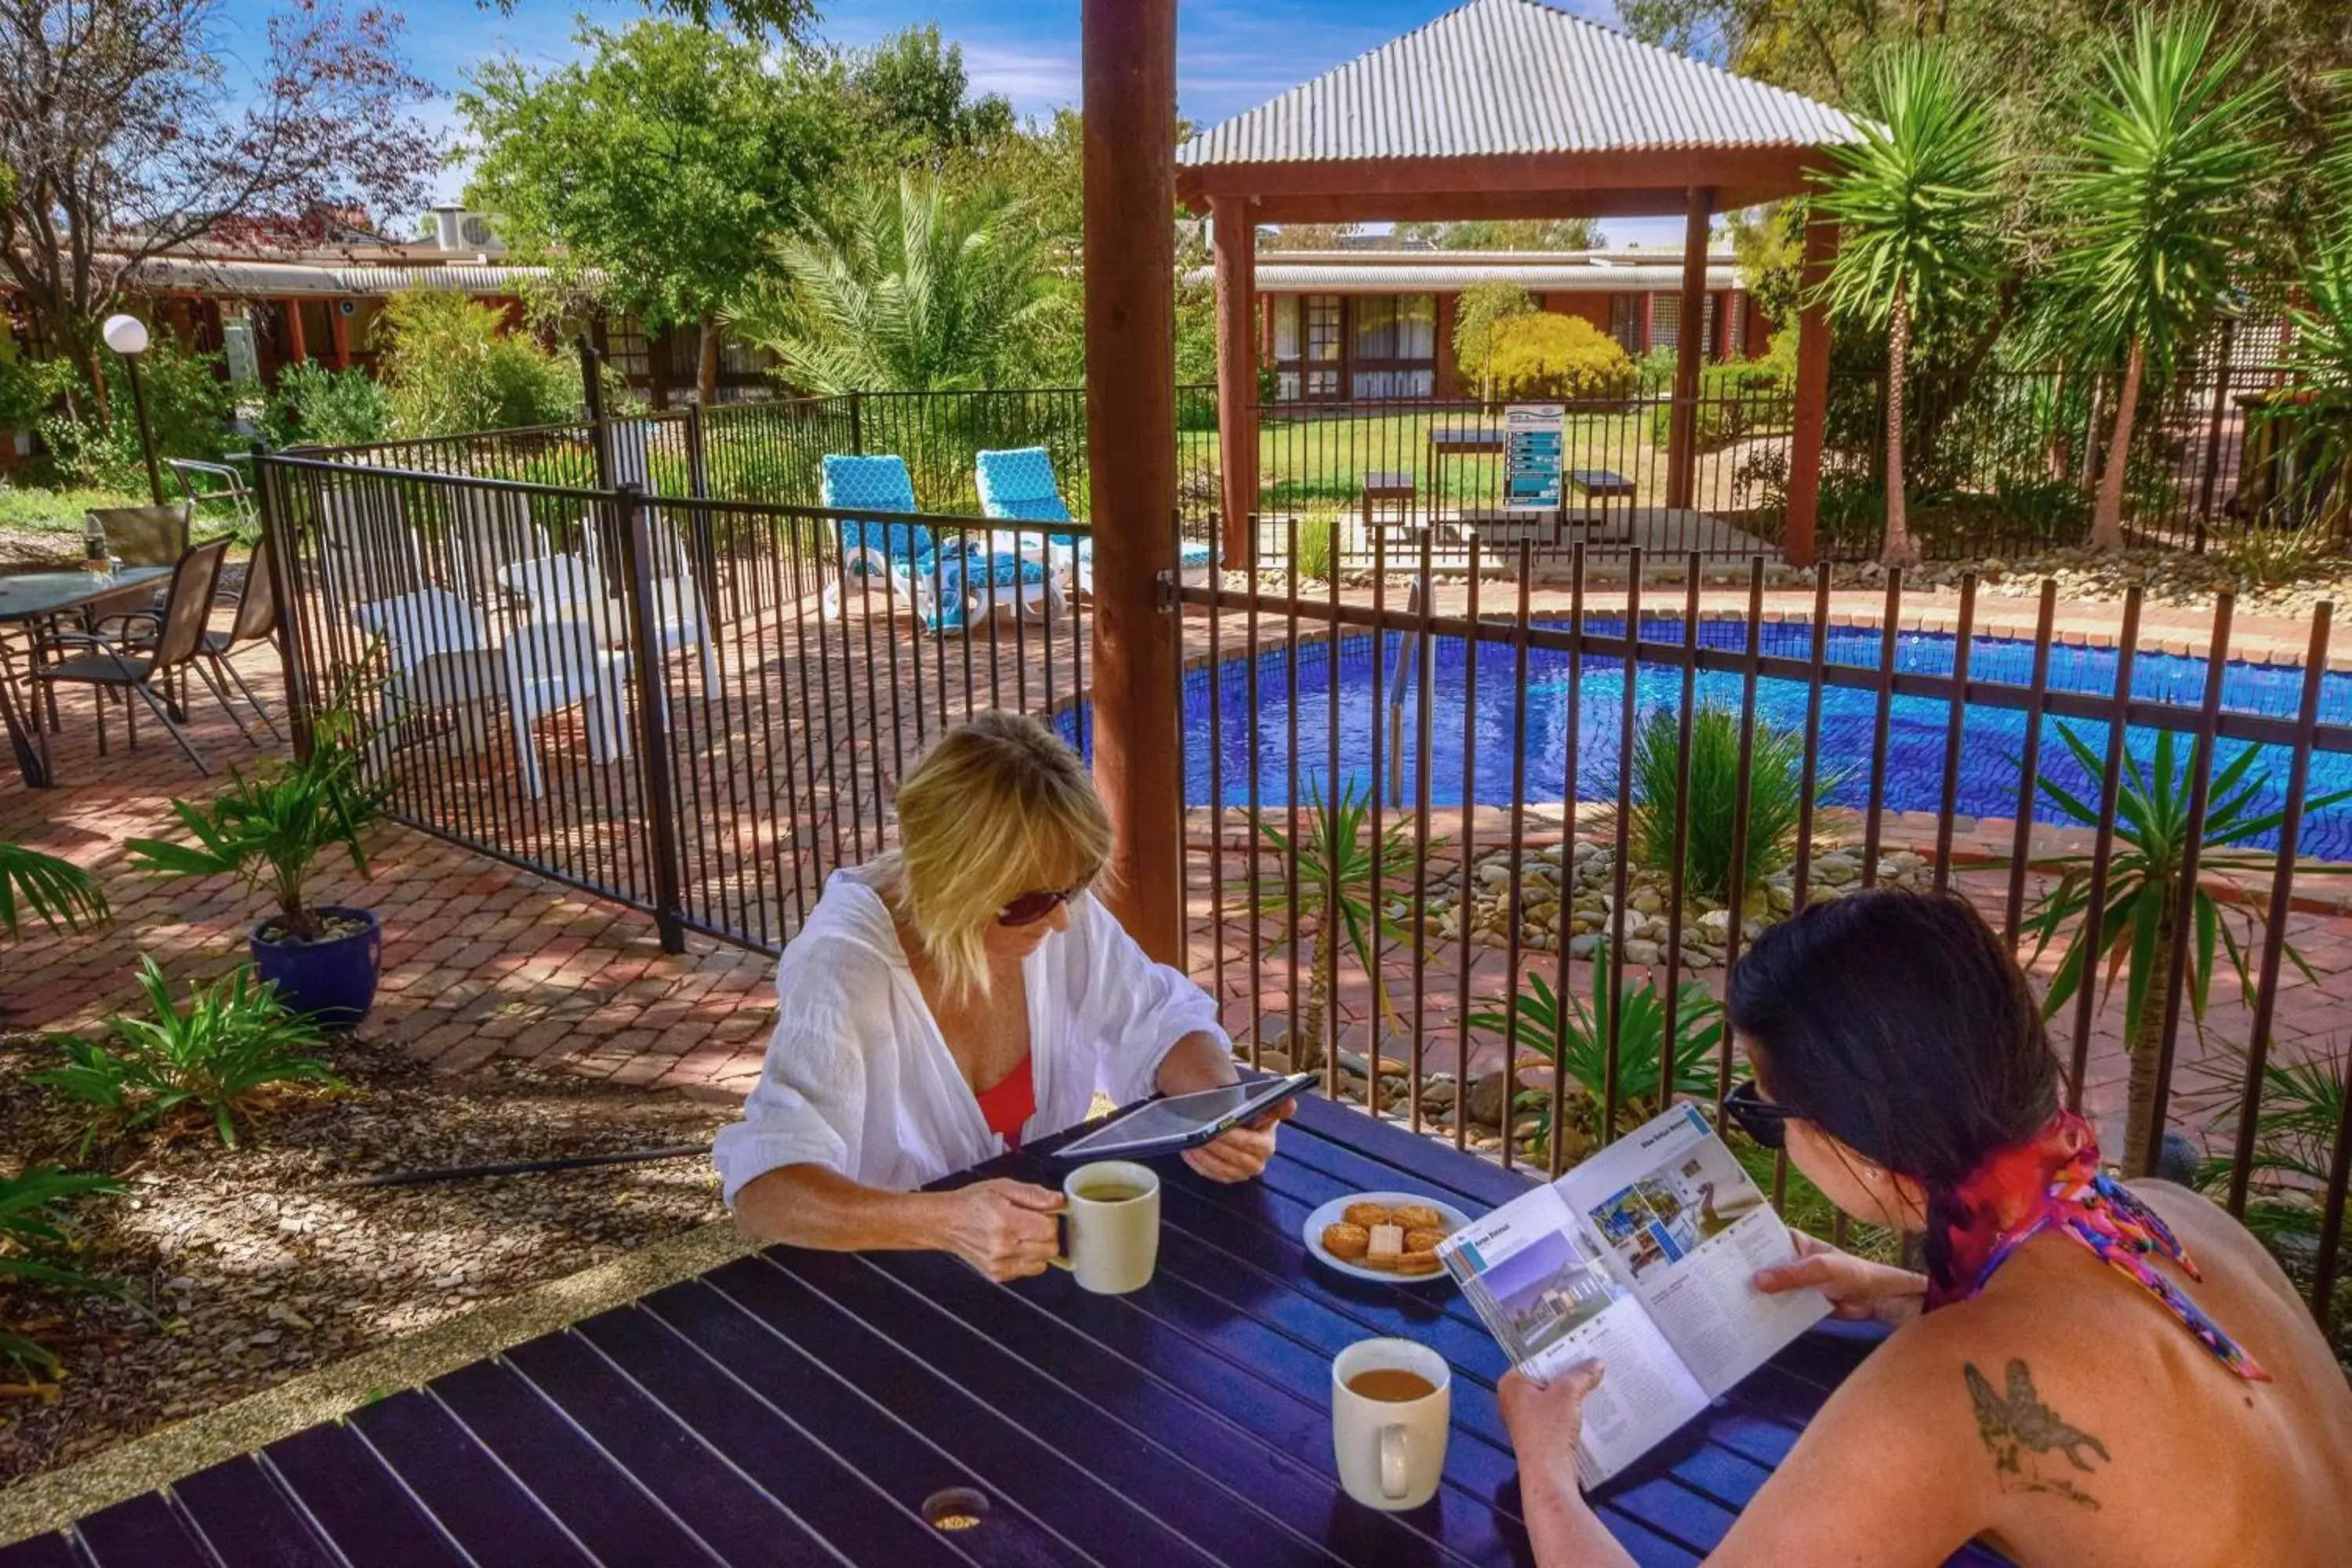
127	335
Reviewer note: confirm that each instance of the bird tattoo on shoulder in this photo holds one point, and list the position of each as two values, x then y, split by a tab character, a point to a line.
2023	1435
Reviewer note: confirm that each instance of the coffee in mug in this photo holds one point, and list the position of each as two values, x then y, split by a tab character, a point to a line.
1111	1226
1391	1408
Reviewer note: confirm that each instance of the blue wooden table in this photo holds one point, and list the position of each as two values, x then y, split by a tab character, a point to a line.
29	598
804	1407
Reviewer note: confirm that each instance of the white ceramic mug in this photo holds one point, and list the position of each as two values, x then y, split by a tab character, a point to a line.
1391	1452
1111	1245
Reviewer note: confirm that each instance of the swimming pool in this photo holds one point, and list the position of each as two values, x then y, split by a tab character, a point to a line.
1992	739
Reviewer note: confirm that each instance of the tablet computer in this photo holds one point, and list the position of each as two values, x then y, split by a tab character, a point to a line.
1177	1122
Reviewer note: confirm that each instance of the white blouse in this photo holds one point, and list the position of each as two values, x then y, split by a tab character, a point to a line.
859	1078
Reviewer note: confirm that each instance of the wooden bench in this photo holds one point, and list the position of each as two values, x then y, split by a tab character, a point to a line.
1601	484
1385	485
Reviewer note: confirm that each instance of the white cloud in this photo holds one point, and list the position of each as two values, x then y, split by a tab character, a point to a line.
1035	77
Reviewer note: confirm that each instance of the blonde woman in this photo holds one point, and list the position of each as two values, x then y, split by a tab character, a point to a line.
965	994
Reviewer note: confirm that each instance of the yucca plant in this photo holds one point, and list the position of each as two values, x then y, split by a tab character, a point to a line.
1916	195
234	1040
36	1248
1574	1036
2317	425
2156	198
1335	854
2294	1141
58	893
1714	858
2139	926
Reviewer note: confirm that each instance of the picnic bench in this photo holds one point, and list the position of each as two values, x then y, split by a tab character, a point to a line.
896	1409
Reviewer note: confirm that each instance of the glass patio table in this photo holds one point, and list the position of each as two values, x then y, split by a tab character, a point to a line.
896	1409
28	598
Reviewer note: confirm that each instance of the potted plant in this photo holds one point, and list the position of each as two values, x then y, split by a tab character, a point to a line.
271	827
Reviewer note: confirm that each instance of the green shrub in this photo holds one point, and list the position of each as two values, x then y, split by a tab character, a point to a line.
36	1248
313	406
451	366
189	404
235	1040
1319	547
1478	318
1655	373
1736	399
1712	856
1545	355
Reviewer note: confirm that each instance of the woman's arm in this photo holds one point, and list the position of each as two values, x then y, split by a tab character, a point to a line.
1200	1060
1004	1228
1544	1422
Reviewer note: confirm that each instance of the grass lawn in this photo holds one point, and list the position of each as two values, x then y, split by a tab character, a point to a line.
28	510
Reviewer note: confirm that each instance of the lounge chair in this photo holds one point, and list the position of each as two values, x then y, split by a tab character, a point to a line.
945	580
1018	484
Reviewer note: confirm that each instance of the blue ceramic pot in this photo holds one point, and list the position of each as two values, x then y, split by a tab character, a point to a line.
334	980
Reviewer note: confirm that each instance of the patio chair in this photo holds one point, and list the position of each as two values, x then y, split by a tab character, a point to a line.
146	535
679	619
255	620
1018	483
945	584
551	666
116	663
375	579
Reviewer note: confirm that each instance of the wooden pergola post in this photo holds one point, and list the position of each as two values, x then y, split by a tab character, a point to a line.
1682	438
1797	543
1129	64
1233	237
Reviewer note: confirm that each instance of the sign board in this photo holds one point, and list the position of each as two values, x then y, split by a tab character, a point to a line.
1535	436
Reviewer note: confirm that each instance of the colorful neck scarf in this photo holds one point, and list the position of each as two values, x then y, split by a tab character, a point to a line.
2055	1183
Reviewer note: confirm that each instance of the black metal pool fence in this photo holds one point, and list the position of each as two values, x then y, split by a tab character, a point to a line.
697	705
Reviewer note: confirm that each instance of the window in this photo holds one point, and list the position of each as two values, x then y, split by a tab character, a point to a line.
1735	344
1286	327
1707	341
626	351
1306	346
1393	346
1665	320
1626	321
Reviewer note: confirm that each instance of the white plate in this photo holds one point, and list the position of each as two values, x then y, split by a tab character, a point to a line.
1330	1213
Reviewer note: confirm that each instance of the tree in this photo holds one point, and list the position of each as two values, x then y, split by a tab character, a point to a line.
450	365
2155	205
657	172
915	288
911	100
1307	235
1479	318
787	21
128	131
1508	233
1916	197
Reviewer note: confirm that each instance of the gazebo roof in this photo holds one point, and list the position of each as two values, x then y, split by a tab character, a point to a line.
1511	108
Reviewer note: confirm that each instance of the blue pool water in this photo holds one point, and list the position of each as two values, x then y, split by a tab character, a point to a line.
1992	740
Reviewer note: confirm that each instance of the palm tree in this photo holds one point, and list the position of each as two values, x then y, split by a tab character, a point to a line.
1916	197
1332	866
58	893
2139	922
2155	201
915	289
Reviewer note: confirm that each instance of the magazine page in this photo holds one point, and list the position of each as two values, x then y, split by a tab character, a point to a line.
1534	1273
1688	1228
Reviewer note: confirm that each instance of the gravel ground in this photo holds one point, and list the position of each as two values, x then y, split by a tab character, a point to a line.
250	1270
2168	577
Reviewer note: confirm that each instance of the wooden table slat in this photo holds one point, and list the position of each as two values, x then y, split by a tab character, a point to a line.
247	1522
734	1518
51	1550
1133	1434
1000	1458
1409	1153
612	1512
829	1494
144	1531
485	1509
357	1504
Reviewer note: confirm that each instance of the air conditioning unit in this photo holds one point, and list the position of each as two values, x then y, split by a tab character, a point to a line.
457	229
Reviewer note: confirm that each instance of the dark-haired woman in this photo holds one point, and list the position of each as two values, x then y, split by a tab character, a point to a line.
2088	1372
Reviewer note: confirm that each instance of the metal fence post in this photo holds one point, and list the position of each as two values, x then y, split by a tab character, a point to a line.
278	534
656	764
591	399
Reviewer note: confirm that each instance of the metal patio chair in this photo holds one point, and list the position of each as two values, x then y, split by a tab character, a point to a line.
118	662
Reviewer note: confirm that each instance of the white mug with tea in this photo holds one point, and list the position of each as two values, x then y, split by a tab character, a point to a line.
1110	1229
1391	1406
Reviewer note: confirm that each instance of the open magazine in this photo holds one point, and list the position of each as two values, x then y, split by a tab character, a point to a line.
1644	1255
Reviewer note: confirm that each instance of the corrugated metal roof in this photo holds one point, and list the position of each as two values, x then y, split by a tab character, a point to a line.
1320	278
292	280
1499	77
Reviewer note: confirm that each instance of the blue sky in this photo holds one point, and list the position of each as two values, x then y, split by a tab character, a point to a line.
1231	54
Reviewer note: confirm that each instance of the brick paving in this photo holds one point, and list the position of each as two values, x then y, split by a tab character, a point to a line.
483	959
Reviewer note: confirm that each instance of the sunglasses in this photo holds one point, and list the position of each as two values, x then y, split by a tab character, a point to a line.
1757	1117
1030	908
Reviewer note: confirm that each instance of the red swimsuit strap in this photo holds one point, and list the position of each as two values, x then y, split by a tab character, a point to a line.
1007	1104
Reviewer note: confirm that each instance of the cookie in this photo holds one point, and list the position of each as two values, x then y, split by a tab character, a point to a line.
1424	1240
1366	1215
1387	1247
1417	1263
1349	1242
1417	1217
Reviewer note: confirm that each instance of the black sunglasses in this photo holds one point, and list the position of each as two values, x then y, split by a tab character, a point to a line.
1757	1117
1030	908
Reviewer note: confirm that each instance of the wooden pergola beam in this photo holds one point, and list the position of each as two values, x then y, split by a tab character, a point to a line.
1129	158
1234	235
1811	411
1682	442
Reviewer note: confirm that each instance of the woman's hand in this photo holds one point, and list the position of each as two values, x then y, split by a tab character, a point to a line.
1005	1229
1241	1153
1856	1287
1544	1420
